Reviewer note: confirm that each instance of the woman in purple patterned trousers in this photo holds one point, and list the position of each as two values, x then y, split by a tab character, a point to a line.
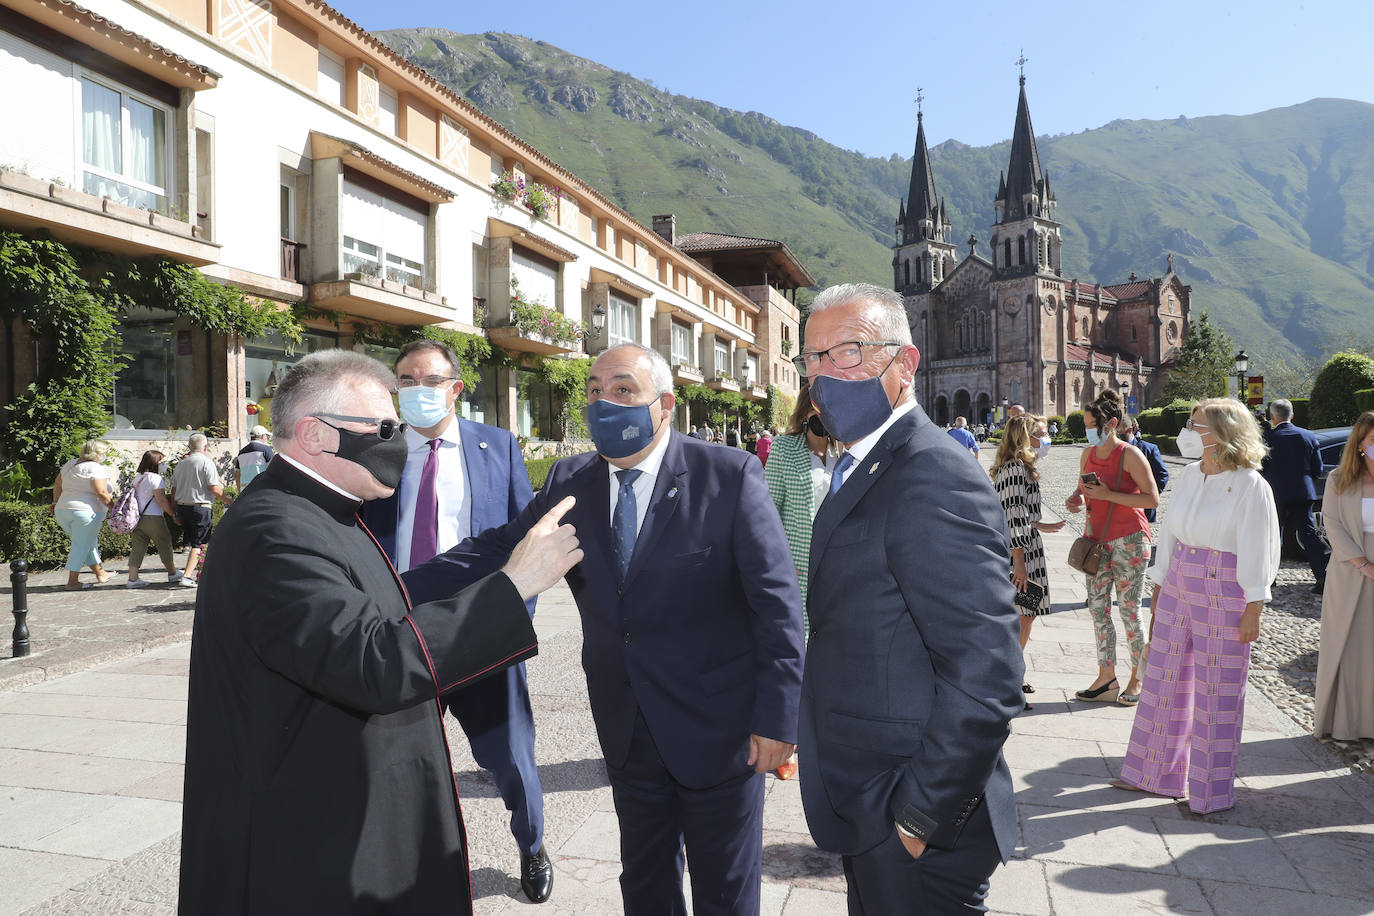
1218	553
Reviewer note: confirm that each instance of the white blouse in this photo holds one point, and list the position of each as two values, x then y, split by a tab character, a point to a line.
1367	514
1233	512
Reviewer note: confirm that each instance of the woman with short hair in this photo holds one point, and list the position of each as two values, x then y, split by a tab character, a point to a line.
81	497
1218	553
150	492
1345	662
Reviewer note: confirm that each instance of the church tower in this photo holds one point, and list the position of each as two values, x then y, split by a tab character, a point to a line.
1025	237
923	254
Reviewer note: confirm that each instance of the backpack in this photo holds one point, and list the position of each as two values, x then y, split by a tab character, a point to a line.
125	513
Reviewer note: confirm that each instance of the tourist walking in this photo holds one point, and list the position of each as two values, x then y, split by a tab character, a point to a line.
1219	550
1158	469
253	457
1293	469
153	506
1116	482
765	444
1345	662
81	497
959	432
195	487
1017	481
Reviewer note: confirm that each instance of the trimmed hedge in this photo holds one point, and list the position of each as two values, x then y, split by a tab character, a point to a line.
31	532
539	471
1364	399
1167	444
1333	394
1151	422
1301	411
1074	424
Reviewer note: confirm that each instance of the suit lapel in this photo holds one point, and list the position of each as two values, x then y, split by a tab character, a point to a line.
669	487
592	487
475	461
865	474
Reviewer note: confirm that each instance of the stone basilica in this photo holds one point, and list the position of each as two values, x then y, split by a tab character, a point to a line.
1013	329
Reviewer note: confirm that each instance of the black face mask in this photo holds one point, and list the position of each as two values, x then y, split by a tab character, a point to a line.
817	428
384	459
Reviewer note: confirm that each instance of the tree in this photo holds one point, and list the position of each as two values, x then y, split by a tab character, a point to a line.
1203	364
1333	396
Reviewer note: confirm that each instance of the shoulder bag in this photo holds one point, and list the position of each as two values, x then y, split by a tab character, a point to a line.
1085	555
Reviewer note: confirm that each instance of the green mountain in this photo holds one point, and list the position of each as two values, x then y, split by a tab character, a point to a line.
1270	216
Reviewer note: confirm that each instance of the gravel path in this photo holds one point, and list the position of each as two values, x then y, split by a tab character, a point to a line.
1283	661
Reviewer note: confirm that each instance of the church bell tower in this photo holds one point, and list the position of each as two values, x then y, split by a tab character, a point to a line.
1026	237
923	253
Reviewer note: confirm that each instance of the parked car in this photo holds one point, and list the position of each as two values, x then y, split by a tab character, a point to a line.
1330	444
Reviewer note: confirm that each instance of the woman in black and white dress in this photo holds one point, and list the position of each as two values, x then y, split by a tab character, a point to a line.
1017	481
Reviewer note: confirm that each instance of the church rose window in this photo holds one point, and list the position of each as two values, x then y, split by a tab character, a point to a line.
1172	332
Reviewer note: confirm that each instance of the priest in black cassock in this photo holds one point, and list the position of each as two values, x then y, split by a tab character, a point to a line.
318	777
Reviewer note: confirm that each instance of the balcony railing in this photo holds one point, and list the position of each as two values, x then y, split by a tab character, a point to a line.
291	260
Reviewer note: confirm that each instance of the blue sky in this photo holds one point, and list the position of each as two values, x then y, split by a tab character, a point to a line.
849	71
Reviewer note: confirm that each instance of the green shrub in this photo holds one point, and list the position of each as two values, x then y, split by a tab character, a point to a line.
1151	421
1333	395
31	533
1167	444
539	471
1056	419
1364	399
1074	424
1301	411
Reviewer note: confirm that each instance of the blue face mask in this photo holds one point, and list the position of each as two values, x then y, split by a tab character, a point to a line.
422	406
851	409
619	431
1044	447
1094	437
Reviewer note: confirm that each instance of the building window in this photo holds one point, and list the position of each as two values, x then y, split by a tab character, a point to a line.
329	81
267	359
1132	333
1085	328
621	321
751	369
722	358
534	406
478	403
388	112
1021	251
383	237
124	146
907	265
681	344
1006	252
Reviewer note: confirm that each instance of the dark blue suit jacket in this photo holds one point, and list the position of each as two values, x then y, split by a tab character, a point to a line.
705	635
913	671
1293	465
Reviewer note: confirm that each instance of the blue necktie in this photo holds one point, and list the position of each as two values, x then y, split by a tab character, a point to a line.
837	475
623	527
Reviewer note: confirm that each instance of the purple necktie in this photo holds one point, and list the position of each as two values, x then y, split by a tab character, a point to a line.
424	536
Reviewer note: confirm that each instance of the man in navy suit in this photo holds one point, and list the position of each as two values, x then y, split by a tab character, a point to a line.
1293	468
913	671
462	478
1158	469
691	634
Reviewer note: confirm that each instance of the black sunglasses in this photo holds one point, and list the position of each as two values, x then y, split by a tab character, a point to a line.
387	428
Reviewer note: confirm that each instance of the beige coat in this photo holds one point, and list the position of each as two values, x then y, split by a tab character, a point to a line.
1347	603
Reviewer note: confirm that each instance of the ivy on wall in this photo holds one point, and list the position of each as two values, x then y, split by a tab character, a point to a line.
73	298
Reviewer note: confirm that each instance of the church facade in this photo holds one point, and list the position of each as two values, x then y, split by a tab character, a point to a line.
1012	329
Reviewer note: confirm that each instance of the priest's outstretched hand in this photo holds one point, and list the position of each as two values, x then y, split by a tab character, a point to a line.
545	554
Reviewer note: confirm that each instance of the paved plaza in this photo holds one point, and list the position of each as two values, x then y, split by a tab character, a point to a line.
92	736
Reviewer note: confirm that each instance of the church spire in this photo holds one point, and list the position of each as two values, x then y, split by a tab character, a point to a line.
923	251
1025	236
1025	192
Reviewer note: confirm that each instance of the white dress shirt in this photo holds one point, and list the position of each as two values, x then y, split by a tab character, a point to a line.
451	485
1232	511
865	445
644	485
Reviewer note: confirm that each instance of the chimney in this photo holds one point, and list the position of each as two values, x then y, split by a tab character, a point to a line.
666	228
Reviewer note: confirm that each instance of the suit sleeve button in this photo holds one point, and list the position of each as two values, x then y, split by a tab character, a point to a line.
628	639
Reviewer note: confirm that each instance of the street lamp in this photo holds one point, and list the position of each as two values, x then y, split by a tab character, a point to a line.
1125	386
1242	366
1004	410
598	320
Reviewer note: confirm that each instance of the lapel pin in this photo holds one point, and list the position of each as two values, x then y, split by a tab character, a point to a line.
873	467
672	492
481	445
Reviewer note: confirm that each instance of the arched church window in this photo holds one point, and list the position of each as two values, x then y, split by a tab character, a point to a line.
1006	252
961	333
1049	388
1077	387
1040	248
1085	327
1021	251
907	265
1132	333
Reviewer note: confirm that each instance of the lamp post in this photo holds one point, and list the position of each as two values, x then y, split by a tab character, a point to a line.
598	319
1242	366
1004	410
1125	386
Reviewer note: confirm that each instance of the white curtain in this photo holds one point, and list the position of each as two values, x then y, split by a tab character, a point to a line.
147	143
100	127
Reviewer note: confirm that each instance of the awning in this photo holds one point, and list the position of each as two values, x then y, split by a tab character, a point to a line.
323	146
499	229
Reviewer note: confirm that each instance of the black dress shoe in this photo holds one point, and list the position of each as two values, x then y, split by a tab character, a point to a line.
536	875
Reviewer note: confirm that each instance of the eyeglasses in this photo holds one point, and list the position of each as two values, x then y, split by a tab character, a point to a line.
429	381
1196	426
845	355
387	428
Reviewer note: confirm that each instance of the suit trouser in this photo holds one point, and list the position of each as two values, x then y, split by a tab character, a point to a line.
1296	515
886	880
496	716
722	827
1192	700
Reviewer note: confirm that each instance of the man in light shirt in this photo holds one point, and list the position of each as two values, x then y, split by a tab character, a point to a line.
460	479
